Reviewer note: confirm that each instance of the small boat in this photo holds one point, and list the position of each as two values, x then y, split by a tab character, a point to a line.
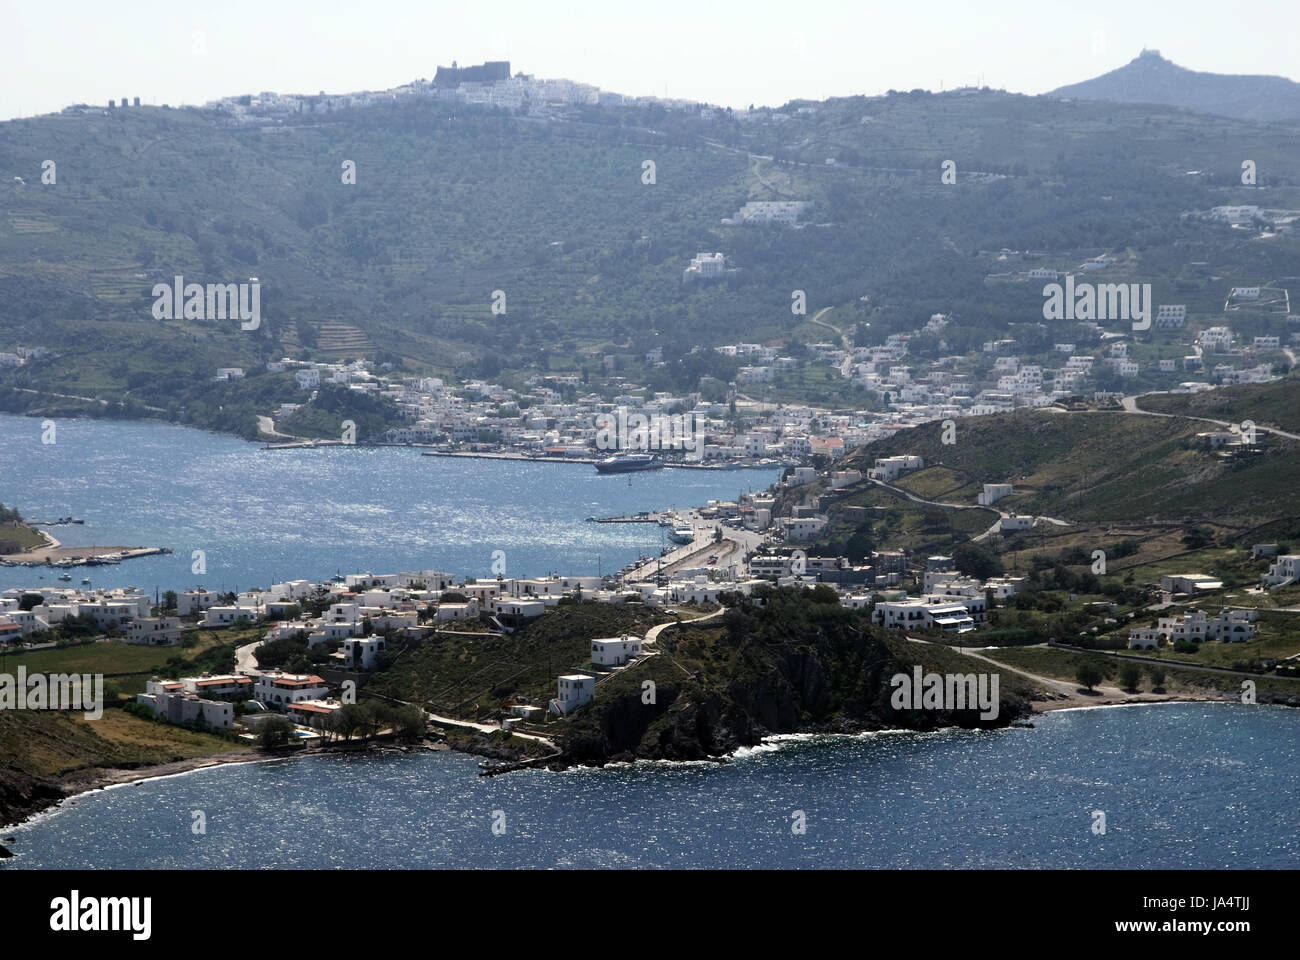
65	576
85	579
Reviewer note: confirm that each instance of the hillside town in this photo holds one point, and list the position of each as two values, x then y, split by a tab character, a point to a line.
558	415
489	84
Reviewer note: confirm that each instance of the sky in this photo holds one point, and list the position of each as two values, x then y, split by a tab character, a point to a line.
717	51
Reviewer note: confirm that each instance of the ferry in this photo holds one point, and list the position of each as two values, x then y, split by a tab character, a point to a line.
683	534
629	463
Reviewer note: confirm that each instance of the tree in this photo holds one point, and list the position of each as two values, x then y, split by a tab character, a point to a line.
1088	674
1129	676
976	560
408	722
275	733
1157	676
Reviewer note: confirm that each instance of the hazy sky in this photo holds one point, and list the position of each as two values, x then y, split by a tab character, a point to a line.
730	53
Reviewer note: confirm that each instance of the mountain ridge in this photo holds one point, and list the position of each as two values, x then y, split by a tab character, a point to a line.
1150	78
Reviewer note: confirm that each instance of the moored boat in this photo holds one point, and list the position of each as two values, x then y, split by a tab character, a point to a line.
629	463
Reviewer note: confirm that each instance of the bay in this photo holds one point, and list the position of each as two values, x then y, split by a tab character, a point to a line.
265	516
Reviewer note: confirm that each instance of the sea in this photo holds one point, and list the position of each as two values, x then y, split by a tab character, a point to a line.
1173	785
1183	785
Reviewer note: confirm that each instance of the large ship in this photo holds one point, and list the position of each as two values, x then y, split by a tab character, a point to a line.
629	463
684	533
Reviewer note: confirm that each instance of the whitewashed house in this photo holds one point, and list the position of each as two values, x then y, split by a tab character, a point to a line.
282	688
572	691
615	651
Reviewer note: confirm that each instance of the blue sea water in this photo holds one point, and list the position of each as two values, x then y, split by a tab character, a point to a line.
262	517
1181	786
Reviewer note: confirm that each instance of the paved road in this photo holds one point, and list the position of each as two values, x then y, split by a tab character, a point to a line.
943	505
1130	406
653	633
732	549
1063	688
244	660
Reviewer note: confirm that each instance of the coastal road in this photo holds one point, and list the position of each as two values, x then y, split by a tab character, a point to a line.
485	728
73	396
1062	689
730	550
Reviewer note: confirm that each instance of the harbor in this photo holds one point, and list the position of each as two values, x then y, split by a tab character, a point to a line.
68	557
589	461
56	556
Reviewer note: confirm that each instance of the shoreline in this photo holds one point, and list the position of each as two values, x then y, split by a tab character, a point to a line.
1084	702
82	782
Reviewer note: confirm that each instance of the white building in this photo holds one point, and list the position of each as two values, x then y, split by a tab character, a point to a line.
993	492
361	653
889	469
216	617
921	614
771	211
572	691
171	701
1231	625
1171	315
515	611
1282	572
194	601
801	528
154	631
615	651
457	611
282	688
705	266
1143	638
1189	583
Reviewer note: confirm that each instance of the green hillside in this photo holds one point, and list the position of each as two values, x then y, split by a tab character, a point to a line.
1268	405
452	203
1104	466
